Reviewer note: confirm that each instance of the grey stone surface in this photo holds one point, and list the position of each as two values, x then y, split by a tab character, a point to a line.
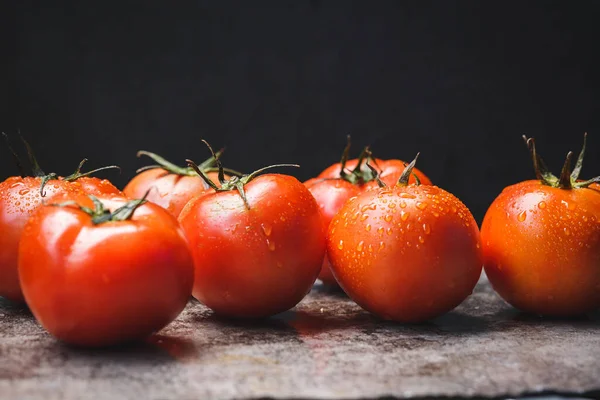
325	348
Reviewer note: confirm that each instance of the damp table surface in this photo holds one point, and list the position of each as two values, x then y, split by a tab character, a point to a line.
325	348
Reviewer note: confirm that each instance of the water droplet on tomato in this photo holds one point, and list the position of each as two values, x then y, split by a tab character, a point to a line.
367	228
522	216
426	229
355	216
454	209
380	230
341	245
567	231
404	215
407	195
267	229
370	248
389	231
402	204
364	216
23	192
387	218
381	246
421	205
360	246
282	218
542	205
271	245
392	205
14	185
421	239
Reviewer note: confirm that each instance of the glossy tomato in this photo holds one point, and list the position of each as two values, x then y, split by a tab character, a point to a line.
389	170
172	186
331	195
406	253
258	244
114	272
541	243
346	179
19	197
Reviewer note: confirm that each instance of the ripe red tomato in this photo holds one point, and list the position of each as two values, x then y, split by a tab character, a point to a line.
406	253
258	244
173	186
389	170
100	277
331	195
19	197
333	188
541	243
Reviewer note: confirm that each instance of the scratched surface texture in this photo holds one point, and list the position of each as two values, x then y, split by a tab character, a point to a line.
326	348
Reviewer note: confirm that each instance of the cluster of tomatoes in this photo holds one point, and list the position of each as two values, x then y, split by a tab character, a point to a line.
99	266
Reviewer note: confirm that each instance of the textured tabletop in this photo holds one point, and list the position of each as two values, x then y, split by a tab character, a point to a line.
327	347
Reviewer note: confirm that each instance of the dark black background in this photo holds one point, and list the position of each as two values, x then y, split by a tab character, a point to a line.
285	81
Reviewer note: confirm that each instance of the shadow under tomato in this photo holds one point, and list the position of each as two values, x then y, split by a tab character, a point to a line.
12	307
515	316
157	349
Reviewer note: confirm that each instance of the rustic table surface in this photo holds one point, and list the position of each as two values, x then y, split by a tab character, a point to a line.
325	348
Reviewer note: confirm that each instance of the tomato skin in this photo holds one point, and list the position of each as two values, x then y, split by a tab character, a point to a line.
542	248
390	171
100	285
406	254
19	197
171	191
330	196
96	186
256	262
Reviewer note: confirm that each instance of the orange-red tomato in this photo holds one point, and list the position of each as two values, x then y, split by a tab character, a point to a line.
93	283
168	190
389	171
541	241
19	197
331	195
405	253
542	248
258	258
332	189
169	185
